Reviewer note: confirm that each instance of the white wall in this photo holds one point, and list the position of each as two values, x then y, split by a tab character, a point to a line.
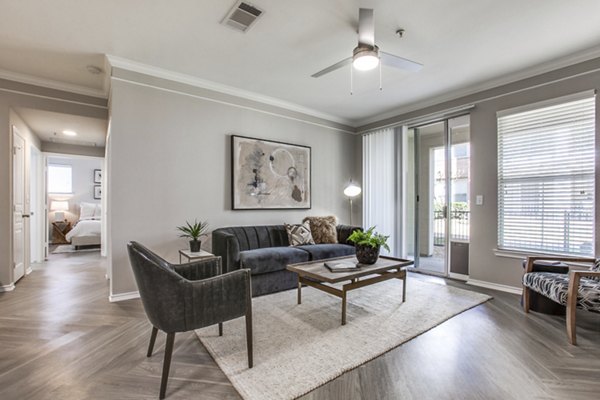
169	161
82	169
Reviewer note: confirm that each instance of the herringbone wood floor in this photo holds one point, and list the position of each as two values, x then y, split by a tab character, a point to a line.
61	339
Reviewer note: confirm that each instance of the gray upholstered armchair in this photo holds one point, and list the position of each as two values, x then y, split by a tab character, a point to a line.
184	297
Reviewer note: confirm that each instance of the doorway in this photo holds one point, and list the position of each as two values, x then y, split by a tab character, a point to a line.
437	196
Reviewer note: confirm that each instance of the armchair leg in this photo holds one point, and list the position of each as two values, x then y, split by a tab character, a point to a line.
526	299
166	364
572	308
220	329
249	337
152	340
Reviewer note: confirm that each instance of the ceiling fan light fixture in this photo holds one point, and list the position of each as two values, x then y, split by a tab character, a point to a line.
365	59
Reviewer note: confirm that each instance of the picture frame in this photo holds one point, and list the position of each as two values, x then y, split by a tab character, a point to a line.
269	175
97	176
97	192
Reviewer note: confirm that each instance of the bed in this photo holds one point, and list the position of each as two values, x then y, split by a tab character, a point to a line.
87	231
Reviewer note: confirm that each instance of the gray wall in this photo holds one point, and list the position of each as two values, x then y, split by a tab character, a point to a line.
13	94
169	161
484	264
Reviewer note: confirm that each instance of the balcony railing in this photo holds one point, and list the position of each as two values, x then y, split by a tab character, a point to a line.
459	226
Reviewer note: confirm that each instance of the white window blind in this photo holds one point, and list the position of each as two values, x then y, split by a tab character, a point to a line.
60	179
546	178
379	181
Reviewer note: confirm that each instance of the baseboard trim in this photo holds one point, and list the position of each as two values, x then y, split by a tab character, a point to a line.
7	288
460	277
28	271
494	286
113	298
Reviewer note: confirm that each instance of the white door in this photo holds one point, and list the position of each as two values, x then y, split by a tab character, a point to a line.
18	205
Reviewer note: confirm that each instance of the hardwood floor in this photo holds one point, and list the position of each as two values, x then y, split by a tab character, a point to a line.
61	338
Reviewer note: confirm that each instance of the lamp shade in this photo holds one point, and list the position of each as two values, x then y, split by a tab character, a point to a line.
59	205
352	190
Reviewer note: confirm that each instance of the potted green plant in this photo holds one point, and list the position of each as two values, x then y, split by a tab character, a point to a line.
368	244
194	231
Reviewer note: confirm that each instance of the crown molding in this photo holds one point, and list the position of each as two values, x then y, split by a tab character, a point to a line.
52	84
157	72
531	72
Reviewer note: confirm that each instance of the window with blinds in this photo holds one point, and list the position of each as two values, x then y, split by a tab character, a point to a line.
546	178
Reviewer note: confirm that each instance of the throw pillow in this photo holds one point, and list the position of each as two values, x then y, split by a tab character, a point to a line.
299	234
323	229
596	268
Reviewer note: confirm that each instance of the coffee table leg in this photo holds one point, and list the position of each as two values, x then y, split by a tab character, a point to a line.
299	291
344	307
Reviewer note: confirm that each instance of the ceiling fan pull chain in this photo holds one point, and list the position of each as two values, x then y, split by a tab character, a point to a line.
351	85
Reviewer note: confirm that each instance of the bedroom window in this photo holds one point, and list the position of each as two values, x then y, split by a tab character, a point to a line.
546	177
60	179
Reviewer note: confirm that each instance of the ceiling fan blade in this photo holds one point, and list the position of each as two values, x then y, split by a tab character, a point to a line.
366	27
333	67
399	62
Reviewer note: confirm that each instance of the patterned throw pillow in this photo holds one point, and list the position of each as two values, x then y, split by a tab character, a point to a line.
299	234
323	229
596	268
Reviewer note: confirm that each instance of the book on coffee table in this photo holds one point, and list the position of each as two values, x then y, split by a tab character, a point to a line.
341	266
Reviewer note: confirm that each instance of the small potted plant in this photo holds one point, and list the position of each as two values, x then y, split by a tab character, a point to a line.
194	231
367	244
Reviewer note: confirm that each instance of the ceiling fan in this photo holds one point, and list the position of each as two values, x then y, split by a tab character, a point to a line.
366	55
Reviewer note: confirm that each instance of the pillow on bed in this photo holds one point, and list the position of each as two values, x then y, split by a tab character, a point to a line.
98	212
87	211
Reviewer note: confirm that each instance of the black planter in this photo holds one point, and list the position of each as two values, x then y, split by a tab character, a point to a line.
367	254
195	246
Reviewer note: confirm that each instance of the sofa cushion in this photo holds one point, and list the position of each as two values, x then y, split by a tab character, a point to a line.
323	251
299	234
271	259
323	229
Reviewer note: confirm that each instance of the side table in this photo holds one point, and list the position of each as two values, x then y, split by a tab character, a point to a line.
59	230
194	256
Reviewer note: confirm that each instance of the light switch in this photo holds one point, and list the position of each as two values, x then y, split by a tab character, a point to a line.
479	200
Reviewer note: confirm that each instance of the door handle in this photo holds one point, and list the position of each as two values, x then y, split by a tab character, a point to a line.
25	215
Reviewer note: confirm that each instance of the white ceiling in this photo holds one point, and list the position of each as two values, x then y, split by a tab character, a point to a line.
48	126
464	44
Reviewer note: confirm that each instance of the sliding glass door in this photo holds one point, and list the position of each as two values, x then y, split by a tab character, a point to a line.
436	195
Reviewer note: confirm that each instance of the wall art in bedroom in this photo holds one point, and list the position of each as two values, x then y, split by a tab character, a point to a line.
98	192
269	175
97	176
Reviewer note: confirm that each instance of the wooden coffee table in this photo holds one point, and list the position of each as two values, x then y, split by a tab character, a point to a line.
316	275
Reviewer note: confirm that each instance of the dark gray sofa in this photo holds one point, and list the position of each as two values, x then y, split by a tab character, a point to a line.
266	251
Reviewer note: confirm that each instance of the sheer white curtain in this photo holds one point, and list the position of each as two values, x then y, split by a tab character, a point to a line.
381	184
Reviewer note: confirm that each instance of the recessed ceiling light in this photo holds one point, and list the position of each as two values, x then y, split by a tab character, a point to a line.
69	133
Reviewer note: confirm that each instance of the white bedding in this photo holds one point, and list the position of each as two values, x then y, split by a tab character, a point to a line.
85	228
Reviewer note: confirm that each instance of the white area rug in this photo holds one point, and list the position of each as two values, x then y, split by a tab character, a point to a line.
67	248
298	348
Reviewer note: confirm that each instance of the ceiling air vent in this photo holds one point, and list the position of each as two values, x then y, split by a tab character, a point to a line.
242	16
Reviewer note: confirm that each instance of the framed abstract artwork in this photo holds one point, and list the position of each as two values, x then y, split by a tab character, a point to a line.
269	175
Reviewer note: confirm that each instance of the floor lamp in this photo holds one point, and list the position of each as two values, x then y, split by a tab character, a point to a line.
351	191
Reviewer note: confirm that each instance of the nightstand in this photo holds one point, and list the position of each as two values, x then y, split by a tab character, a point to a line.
194	256
59	230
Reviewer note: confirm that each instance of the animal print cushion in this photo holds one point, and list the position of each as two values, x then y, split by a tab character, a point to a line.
323	229
299	235
555	287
